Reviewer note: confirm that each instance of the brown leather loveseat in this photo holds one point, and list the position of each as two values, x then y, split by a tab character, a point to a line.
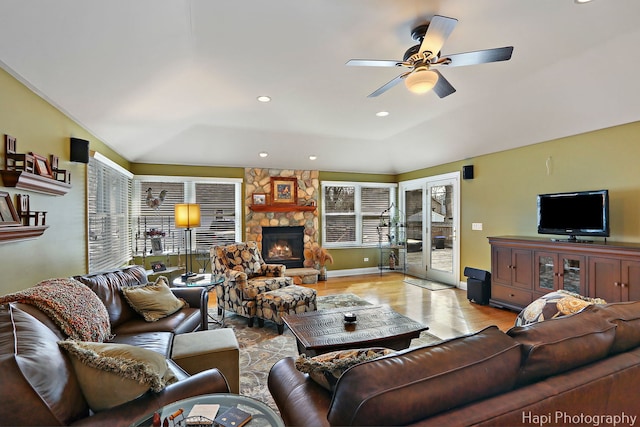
582	369
124	319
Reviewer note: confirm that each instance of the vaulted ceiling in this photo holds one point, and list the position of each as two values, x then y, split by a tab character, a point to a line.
176	81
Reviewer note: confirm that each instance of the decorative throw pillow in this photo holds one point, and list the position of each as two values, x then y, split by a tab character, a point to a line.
554	304
111	374
153	300
326	369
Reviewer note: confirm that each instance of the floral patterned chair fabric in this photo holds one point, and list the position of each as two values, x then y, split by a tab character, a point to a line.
246	275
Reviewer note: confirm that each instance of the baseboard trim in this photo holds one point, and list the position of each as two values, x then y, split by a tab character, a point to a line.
352	272
372	270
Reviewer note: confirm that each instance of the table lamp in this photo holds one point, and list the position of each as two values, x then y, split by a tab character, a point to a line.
187	215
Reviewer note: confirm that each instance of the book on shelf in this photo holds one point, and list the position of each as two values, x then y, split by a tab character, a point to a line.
233	417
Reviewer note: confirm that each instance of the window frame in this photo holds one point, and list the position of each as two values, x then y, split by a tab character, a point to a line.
358	211
120	253
190	197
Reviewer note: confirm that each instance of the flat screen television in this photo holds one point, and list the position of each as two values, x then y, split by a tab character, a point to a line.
583	213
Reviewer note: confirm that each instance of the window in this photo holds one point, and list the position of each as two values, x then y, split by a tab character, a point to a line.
153	213
109	191
217	213
352	213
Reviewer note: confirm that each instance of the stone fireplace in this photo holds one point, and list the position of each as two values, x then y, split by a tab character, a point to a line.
283	245
297	217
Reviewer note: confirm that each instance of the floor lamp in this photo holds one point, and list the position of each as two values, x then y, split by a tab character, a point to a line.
187	216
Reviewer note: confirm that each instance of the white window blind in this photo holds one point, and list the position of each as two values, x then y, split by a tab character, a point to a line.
109	192
352	212
375	200
339	215
154	207
217	214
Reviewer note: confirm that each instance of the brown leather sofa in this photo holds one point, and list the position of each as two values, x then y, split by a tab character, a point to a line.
574	370
38	385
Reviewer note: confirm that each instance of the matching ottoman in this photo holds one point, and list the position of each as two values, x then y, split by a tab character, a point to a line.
216	348
291	299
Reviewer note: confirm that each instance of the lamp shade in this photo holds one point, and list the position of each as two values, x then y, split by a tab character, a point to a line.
421	80
187	215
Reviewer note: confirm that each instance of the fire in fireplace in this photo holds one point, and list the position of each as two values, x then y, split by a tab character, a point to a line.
283	245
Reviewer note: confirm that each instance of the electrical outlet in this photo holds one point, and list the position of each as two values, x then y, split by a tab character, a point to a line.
476	226
366	260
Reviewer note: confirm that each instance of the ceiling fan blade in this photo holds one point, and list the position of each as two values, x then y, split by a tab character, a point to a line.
479	57
374	62
439	30
443	87
389	85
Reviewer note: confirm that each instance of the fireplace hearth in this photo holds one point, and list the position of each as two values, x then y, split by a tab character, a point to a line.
283	245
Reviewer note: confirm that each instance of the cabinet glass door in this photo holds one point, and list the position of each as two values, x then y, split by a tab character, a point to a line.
572	269
546	272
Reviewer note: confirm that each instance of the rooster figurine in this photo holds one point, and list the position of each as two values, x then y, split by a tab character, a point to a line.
155	202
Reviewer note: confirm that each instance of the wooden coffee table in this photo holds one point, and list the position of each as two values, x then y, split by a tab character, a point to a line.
323	331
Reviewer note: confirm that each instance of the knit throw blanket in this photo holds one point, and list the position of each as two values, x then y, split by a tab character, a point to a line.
74	307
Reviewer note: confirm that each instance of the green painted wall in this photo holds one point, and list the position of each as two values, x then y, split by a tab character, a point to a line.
502	195
182	170
41	128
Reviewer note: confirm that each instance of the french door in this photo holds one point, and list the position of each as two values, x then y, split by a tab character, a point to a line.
431	214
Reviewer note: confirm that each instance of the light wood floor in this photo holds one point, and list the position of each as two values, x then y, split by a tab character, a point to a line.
447	312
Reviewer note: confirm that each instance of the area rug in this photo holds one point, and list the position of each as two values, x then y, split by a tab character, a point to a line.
427	284
260	348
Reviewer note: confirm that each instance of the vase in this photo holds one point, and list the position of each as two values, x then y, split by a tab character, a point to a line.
323	273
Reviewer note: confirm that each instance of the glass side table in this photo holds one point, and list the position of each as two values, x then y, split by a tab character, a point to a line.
207	281
261	414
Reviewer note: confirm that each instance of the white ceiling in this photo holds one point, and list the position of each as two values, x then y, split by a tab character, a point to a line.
176	81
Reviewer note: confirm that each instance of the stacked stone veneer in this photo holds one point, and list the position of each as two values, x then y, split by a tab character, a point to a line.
259	181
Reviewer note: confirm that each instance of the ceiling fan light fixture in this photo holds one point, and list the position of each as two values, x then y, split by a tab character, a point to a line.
422	80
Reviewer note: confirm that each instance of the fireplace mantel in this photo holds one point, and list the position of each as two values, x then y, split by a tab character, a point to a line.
282	208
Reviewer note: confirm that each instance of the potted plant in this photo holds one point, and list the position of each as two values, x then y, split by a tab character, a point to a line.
317	257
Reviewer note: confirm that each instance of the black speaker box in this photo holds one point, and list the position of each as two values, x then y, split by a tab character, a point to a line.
478	285
467	172
79	150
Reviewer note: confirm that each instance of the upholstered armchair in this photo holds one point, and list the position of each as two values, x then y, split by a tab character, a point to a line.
246	275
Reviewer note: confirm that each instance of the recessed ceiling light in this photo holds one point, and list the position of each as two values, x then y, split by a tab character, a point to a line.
264	98
264	154
313	157
581	1
382	113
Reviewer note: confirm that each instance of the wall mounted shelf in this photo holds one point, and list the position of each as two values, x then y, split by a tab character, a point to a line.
32	182
21	232
282	208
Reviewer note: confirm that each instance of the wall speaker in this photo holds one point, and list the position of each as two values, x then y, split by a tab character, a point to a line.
79	150
467	172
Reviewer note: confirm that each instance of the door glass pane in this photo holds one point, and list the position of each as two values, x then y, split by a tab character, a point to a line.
545	266
413	220
442	228
571	275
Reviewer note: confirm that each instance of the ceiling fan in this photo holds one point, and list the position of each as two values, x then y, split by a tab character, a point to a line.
423	58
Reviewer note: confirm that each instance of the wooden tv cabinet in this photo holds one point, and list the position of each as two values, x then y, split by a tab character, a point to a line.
525	268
